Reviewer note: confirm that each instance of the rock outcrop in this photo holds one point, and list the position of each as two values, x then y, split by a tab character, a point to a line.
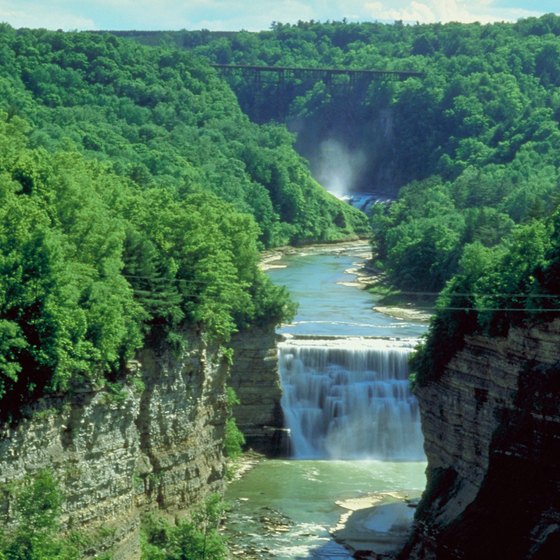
255	378
154	445
492	437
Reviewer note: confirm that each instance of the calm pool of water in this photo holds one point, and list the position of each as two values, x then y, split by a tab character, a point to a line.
284	508
329	307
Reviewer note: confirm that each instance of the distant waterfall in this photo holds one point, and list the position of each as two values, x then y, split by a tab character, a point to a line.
349	399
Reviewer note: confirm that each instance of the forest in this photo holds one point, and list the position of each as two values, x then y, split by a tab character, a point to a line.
150	192
138	186
136	196
471	151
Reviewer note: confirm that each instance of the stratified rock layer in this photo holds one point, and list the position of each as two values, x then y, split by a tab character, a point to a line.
155	445
255	378
492	437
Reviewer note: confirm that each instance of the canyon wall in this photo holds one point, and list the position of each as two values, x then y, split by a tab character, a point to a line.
492	437
155	444
255	378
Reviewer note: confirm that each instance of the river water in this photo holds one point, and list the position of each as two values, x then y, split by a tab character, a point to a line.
354	425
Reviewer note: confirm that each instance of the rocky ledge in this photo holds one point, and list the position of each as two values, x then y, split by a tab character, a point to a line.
492	437
154	445
255	378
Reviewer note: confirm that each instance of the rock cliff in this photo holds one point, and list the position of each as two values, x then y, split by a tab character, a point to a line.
156	444
255	378
492	437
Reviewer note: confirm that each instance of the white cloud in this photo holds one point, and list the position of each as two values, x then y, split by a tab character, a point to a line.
426	11
244	14
38	15
238	16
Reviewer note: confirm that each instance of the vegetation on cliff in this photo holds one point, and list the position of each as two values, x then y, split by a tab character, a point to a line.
489	95
514	283
36	536
135	195
135	199
162	117
475	142
92	264
196	538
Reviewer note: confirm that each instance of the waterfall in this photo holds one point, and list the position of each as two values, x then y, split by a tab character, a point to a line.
349	399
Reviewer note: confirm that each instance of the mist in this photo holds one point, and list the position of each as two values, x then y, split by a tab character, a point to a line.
338	168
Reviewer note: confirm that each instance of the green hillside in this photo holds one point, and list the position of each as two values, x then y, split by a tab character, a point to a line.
135	197
474	146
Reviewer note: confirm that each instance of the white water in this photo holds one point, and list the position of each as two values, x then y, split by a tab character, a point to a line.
350	399
341	322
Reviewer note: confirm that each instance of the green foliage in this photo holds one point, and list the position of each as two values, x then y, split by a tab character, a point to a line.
489	91
91	264
478	135
162	118
419	236
475	143
134	206
195	539
36	535
137	201
513	283
233	438
38	504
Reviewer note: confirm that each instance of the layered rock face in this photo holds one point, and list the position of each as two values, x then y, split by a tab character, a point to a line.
153	446
255	378
492	438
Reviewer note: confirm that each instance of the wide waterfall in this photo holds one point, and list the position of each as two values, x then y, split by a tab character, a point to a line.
349	398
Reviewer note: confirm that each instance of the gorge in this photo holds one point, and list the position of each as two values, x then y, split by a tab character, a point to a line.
136	200
119	455
492	437
489	423
354	427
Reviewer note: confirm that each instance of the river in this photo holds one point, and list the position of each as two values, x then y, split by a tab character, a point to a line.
354	426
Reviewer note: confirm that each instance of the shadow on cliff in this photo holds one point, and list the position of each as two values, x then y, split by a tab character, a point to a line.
516	514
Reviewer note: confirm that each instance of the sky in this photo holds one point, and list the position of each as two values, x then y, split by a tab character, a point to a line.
254	15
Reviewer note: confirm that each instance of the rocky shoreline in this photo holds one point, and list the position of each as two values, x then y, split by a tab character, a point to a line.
366	277
270	258
376	526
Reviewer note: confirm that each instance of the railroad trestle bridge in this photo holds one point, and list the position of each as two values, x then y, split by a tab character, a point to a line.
280	75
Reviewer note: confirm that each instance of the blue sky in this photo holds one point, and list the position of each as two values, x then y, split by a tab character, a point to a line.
255	15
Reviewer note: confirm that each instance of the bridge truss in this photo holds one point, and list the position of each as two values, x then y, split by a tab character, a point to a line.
279	75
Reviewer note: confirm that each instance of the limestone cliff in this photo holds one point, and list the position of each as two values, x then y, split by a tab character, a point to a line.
492	437
255	378
156	445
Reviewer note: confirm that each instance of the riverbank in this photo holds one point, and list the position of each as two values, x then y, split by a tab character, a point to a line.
359	248
240	466
372	526
395	304
282	509
375	526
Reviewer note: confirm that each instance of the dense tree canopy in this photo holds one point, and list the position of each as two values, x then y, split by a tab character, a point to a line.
475	144
476	140
163	117
136	194
91	263
135	197
489	91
